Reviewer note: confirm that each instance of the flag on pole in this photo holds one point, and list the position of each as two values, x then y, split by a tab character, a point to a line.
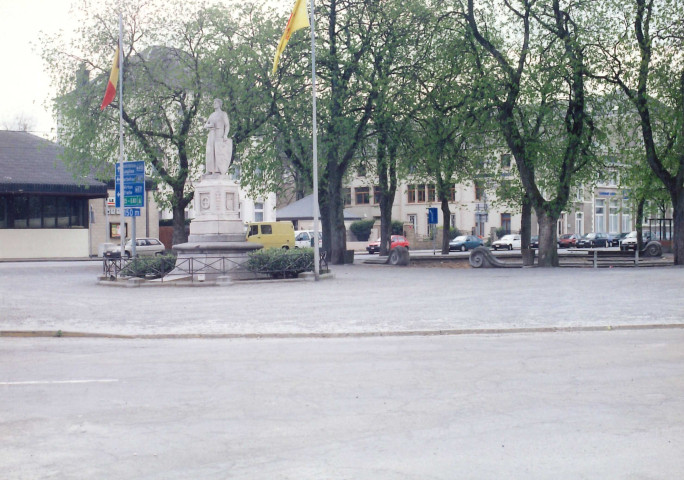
110	93
298	19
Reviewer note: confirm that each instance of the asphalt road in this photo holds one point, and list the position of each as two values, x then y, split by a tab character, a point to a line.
379	373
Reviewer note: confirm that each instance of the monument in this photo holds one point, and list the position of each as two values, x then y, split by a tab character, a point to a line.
216	248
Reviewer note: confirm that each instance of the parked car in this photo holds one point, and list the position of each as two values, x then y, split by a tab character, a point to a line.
396	241
593	240
304	239
507	242
630	240
568	240
144	247
465	242
534	241
618	238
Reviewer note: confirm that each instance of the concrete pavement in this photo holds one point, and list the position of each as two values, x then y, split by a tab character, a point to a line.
359	299
439	373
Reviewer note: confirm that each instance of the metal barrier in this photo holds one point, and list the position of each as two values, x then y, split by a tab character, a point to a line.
192	267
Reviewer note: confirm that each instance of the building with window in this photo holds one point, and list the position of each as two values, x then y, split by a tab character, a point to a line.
44	211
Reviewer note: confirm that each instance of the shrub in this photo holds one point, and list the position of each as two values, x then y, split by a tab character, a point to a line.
397	227
362	229
453	233
500	232
149	267
279	263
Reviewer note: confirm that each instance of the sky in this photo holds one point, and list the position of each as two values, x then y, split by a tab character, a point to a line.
24	84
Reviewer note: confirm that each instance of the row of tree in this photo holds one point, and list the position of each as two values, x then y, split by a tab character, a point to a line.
410	88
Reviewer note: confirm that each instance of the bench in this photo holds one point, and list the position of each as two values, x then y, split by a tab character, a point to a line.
612	257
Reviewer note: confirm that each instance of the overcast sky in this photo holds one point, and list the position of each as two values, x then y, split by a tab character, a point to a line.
24	85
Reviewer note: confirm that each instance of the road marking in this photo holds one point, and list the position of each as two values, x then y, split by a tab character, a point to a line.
60	382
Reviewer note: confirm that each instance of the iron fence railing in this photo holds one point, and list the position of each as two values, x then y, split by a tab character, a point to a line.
201	267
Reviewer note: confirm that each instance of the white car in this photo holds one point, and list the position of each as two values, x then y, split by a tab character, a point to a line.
144	247
630	241
507	242
303	239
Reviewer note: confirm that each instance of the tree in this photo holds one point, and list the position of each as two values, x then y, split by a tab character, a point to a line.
178	57
20	123
638	48
536	75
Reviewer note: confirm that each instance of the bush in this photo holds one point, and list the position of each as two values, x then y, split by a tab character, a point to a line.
279	263
397	227
149	267
500	232
362	229
453	233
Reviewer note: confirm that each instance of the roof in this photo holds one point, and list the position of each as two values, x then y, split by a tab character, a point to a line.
31	164
303	210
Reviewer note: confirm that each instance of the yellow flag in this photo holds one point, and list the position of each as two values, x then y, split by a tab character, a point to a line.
298	19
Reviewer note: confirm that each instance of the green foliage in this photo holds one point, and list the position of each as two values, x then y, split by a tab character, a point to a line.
500	232
454	232
362	229
397	227
280	263
149	267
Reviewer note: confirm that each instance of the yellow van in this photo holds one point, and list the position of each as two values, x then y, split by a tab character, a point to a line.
272	234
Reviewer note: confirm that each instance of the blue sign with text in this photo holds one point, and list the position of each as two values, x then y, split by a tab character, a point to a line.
134	185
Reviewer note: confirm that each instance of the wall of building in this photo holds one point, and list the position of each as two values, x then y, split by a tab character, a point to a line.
44	243
106	218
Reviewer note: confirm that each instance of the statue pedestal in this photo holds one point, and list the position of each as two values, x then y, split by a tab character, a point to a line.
216	248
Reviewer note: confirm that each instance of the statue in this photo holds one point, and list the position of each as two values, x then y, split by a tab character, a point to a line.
219	146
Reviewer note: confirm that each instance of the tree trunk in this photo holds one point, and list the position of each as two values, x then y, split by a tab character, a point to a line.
678	226
335	217
638	222
526	232
446	217
548	241
179	234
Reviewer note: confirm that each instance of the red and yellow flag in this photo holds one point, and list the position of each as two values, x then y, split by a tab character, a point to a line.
298	19
110	93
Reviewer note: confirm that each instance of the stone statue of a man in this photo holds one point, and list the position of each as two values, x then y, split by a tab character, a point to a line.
219	146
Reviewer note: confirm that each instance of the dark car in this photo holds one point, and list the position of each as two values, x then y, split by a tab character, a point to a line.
618	238
593	240
568	240
465	242
534	241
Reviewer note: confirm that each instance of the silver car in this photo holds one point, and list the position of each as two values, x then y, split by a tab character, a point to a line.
144	247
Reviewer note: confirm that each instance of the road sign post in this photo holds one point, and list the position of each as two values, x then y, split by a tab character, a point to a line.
133	193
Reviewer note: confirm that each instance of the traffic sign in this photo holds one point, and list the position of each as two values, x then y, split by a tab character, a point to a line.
134	184
432	215
131	212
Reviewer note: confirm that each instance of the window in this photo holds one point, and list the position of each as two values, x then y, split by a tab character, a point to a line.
412	221
452	220
266	229
579	194
376	194
412	194
420	193
600	215
362	170
115	231
431	193
579	223
35	212
452	192
346	193
506	160
479	190
614	226
258	211
506	222
3	212
362	195
253	230
626	222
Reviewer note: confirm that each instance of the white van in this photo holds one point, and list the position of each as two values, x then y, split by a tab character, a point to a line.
303	238
272	234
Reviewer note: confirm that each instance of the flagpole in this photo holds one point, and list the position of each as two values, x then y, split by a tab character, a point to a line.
315	148
121	140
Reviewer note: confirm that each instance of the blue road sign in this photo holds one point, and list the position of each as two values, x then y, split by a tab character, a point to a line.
134	185
432	216
131	212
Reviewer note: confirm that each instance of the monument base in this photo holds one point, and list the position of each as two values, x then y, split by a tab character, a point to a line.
216	250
